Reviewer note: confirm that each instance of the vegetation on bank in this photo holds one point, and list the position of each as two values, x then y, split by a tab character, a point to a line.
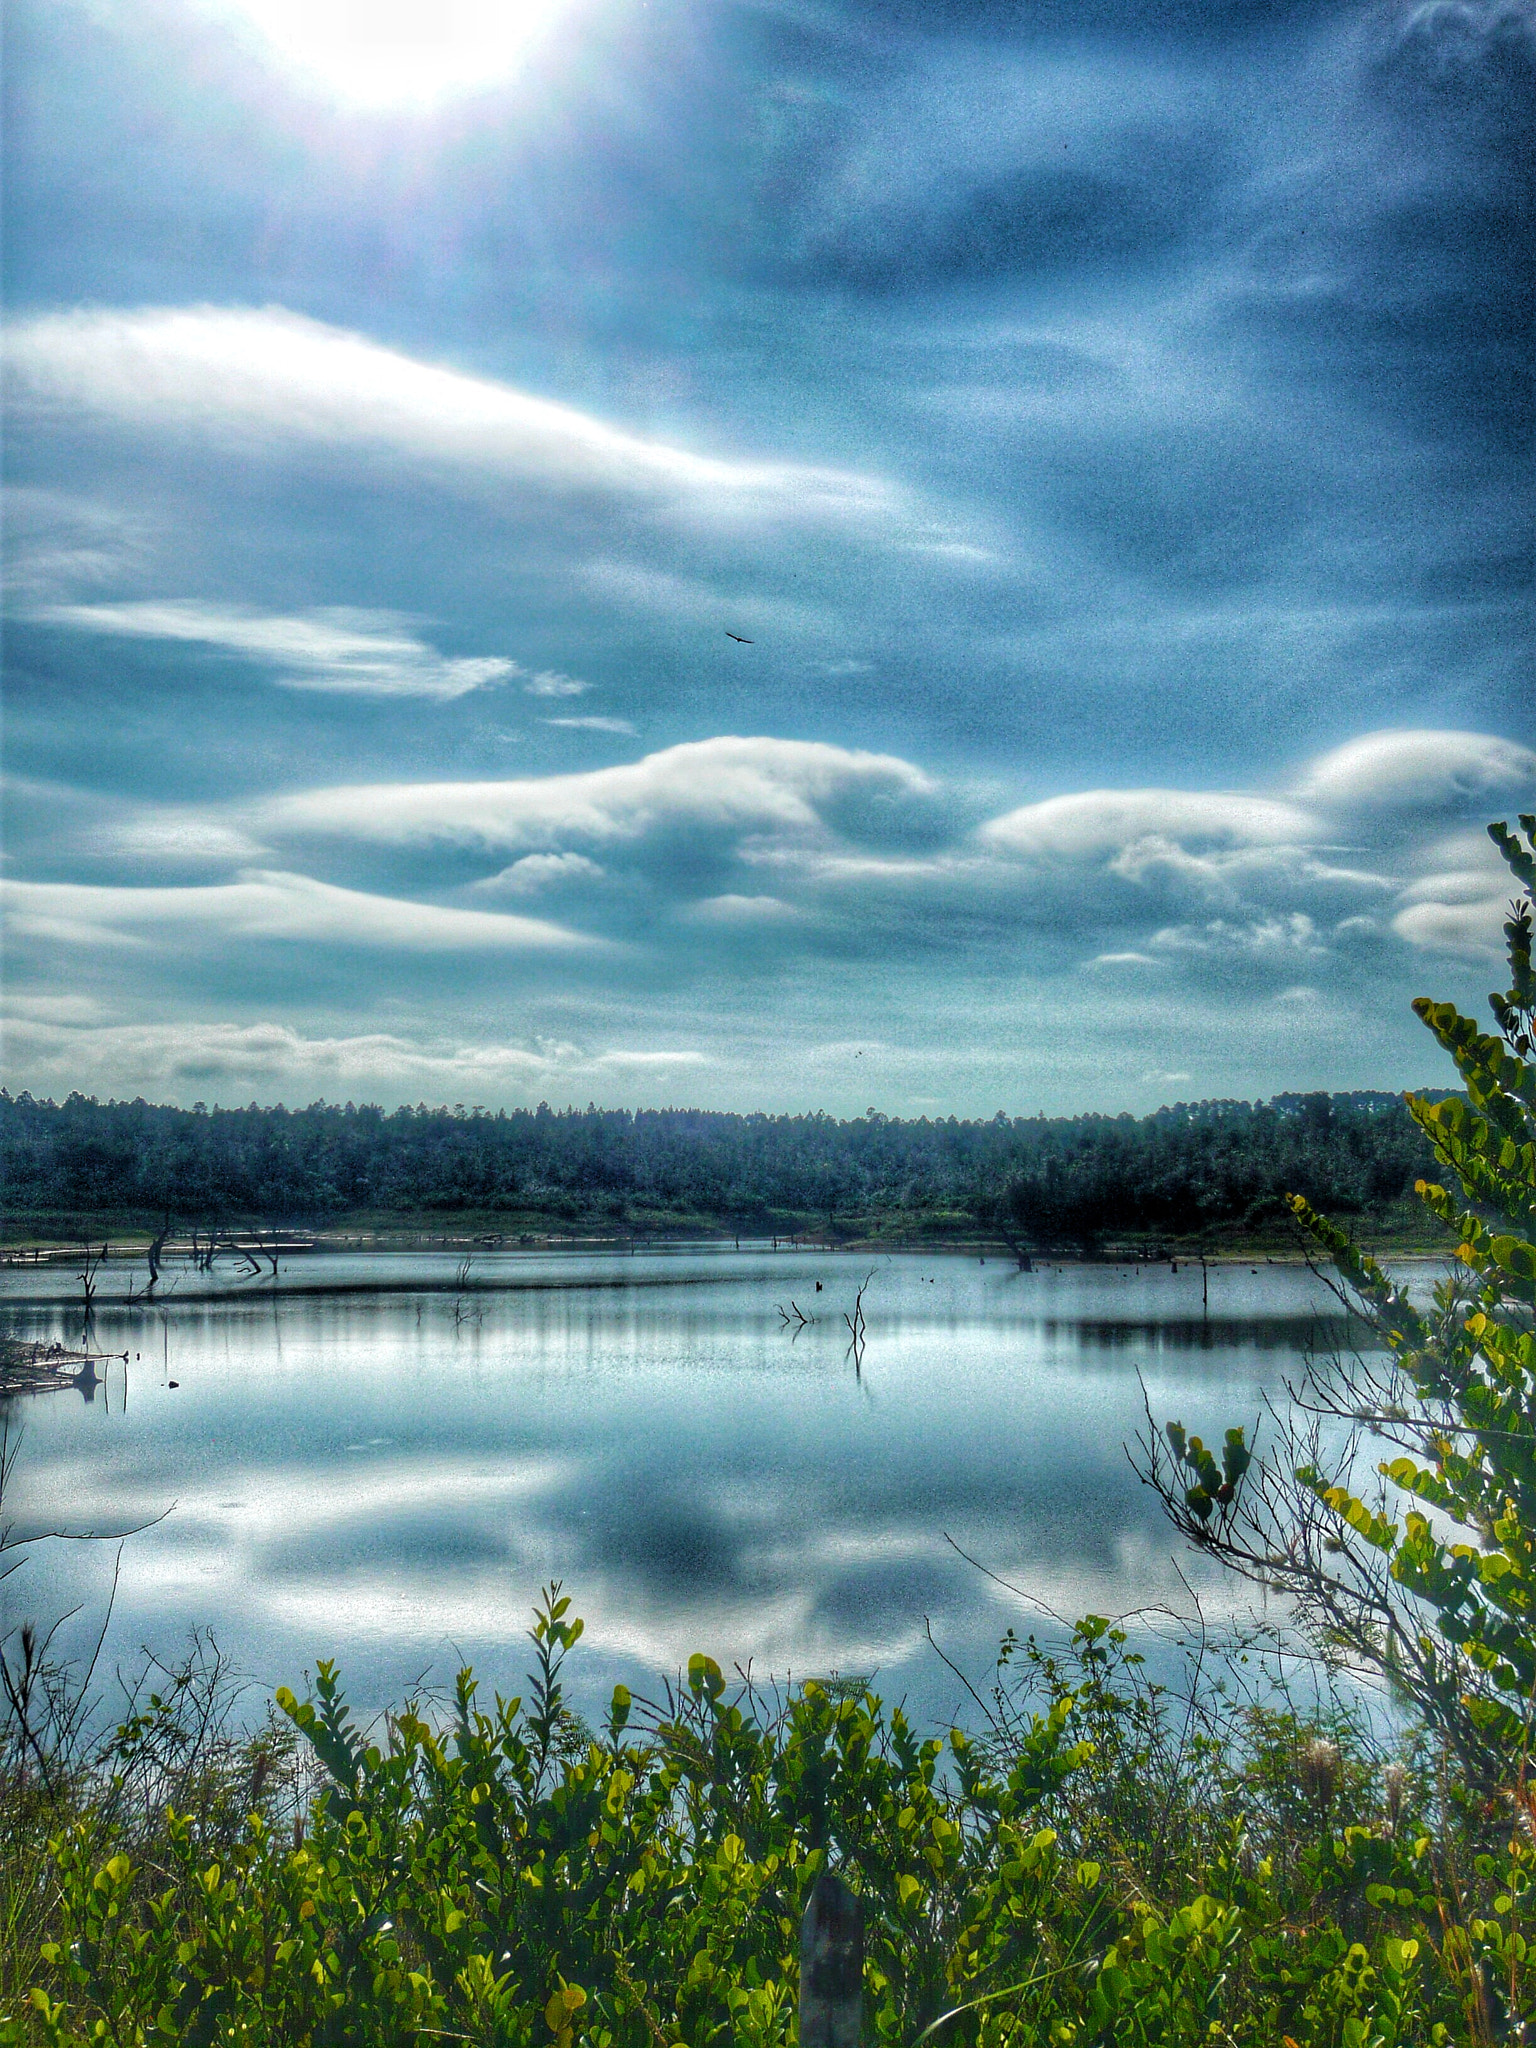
1213	1172
1099	1860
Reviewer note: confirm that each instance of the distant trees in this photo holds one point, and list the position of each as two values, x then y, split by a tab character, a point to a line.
1196	1167
1045	1183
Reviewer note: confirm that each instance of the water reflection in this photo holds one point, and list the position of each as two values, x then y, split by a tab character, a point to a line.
358	1472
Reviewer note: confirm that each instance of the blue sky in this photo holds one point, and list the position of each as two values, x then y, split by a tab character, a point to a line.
1106	426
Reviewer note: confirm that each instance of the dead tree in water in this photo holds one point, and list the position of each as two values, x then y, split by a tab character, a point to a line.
856	1327
155	1252
90	1267
461	1280
204	1252
270	1251
1020	1252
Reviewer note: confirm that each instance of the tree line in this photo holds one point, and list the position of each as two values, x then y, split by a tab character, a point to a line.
1049	1181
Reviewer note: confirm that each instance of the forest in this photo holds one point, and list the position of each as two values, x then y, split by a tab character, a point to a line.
1050	1183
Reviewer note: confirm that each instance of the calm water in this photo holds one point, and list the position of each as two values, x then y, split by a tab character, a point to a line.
364	1464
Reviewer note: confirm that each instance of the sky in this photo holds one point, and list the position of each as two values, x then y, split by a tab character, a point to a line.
949	555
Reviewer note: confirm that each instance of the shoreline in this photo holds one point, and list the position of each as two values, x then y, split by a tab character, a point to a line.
115	1241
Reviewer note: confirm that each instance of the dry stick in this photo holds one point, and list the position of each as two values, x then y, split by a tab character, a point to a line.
955	1668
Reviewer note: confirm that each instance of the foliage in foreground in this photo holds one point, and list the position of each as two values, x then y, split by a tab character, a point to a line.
1104	1865
1420	1563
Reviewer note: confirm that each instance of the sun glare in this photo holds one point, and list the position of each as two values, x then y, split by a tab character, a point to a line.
380	53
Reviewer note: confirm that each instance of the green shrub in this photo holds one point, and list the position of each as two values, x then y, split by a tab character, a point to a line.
501	1875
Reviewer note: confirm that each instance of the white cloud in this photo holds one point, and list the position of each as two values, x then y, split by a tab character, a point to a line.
266	905
56	542
592	724
1101	822
357	653
550	683
805	844
55	1009
1422	771
1469	930
270	377
537	871
1459	902
717	784
741	910
637	1058
178	1060
1263	940
178	834
1269	865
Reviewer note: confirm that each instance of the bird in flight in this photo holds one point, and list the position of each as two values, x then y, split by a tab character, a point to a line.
738	639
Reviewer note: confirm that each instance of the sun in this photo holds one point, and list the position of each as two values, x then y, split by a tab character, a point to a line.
385	53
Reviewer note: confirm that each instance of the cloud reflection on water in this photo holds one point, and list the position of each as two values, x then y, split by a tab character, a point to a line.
356	1476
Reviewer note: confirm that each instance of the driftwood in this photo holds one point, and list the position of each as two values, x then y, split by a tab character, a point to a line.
35	1368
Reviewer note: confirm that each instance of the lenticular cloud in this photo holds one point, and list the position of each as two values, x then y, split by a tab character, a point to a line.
726	783
272	377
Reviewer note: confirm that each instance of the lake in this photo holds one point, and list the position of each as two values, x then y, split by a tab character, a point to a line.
372	1461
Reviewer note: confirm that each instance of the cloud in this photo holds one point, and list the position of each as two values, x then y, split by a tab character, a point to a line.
271	378
1458	906
1268	864
55	541
181	835
267	1056
636	1057
708	870
732	911
1263	940
829	847
550	683
539	871
725	784
704	601
1467	930
264	905
353	653
1108	821
1421	771
1126	206
592	724
55	1009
